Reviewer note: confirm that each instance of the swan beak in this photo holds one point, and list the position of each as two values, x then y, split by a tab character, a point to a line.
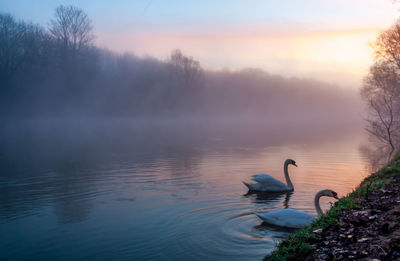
295	164
336	197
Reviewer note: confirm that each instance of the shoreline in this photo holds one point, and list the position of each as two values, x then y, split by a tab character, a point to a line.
364	224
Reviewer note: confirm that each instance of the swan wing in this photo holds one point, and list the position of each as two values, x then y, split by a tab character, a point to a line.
267	180
265	183
286	218
252	186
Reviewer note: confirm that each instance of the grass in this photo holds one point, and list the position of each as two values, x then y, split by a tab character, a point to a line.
295	247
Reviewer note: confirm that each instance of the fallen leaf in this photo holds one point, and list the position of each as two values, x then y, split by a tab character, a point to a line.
362	239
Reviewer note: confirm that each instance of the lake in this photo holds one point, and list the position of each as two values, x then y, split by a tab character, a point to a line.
161	195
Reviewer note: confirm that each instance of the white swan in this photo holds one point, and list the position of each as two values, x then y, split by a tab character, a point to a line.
292	218
265	182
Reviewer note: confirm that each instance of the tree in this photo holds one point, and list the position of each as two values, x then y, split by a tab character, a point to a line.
72	28
20	45
381	90
74	52
185	68
387	46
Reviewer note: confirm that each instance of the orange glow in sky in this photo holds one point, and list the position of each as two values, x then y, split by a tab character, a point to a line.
323	55
326	40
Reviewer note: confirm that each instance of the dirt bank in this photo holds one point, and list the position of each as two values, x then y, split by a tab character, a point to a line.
364	225
370	232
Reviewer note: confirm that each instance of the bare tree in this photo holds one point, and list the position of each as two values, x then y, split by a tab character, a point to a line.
387	45
72	28
381	90
74	51
185	67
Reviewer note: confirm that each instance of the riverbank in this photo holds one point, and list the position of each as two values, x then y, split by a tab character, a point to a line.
363	225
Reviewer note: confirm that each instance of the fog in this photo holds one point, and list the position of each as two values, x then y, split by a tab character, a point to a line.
49	82
134	151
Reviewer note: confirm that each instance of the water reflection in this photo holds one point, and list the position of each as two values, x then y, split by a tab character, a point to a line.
144	196
259	197
267	228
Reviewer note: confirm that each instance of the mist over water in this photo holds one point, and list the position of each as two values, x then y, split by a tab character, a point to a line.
113	156
129	191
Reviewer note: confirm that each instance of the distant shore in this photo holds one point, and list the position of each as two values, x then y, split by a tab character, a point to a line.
363	225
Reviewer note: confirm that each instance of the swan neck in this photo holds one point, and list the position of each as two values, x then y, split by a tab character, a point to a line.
286	171
316	203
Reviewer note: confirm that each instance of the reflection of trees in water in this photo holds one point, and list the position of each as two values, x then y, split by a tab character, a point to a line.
67	190
42	170
182	157
16	199
72	195
24	195
71	209
62	163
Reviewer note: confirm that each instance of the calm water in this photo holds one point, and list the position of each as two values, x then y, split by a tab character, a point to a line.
69	198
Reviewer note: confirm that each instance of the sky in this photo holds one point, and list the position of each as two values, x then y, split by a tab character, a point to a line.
327	40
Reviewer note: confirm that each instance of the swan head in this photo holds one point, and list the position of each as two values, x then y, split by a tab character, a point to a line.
329	193
291	162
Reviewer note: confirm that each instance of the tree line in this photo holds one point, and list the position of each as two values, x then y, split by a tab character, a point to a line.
58	71
59	67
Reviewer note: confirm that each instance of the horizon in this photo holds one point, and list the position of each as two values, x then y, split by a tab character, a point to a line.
313	42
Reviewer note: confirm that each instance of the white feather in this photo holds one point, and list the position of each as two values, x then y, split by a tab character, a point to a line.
290	218
265	182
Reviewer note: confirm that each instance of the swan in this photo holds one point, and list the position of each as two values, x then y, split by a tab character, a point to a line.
265	182
292	218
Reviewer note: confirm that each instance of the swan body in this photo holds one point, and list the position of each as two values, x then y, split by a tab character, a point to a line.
292	218
286	218
265	182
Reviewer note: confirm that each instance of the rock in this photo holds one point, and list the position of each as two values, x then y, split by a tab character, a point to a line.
373	216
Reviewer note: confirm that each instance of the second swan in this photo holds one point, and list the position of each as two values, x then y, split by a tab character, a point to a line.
266	183
292	218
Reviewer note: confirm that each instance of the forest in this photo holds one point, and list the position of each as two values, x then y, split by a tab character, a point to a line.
58	72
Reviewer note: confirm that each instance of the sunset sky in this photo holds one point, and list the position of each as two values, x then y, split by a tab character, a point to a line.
326	40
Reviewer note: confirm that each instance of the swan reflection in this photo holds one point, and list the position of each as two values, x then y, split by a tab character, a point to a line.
258	197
